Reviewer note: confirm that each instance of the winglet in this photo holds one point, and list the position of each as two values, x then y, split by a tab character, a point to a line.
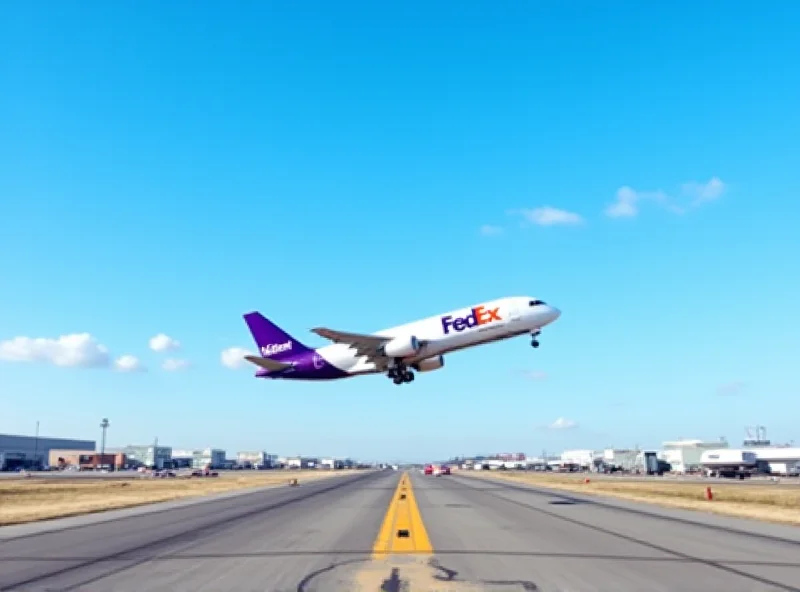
267	363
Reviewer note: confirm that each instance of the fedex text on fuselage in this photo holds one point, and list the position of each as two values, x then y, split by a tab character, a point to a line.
480	315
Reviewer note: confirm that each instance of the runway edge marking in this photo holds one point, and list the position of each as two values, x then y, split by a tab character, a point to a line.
402	514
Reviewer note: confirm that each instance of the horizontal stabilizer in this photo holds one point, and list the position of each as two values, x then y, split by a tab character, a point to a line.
267	363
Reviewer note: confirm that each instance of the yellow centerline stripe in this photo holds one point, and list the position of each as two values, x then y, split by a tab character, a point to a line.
402	515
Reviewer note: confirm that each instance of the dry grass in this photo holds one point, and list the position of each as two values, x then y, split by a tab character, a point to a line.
769	502
30	500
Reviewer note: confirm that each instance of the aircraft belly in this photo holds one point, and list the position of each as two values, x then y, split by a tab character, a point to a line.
455	342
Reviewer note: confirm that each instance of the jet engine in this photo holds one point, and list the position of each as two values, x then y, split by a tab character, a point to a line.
401	347
429	364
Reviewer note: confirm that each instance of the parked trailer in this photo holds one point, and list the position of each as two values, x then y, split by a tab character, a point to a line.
784	468
732	464
651	464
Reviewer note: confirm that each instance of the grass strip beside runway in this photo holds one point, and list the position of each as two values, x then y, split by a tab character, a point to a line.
31	500
767	502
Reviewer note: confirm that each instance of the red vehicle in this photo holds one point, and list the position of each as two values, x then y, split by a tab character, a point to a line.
429	469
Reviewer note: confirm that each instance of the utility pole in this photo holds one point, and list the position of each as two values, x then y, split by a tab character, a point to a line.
155	454
104	425
36	445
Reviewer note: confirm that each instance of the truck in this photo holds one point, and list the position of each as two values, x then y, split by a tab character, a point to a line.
732	464
787	469
651	464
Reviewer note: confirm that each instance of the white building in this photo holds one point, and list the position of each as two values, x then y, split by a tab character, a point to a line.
331	463
258	459
148	456
302	462
684	455
535	463
214	457
201	458
582	458
622	458
778	461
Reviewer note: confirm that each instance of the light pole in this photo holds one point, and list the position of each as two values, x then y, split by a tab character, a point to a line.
155	454
36	445
104	425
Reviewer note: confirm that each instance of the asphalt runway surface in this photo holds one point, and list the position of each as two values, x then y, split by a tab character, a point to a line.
475	534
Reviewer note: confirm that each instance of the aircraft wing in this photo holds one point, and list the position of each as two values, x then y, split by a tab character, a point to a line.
267	363
365	345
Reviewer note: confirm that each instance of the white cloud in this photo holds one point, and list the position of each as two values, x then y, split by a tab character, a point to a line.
703	192
731	388
233	357
129	363
563	424
489	230
627	200
625	204
79	350
549	216
174	365
162	343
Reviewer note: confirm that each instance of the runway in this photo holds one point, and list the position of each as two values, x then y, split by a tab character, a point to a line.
459	534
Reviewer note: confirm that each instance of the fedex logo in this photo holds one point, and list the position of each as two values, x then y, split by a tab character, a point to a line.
479	316
275	348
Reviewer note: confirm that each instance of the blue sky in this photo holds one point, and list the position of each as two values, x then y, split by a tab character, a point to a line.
166	168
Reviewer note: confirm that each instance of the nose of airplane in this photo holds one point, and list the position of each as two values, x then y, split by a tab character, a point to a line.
552	314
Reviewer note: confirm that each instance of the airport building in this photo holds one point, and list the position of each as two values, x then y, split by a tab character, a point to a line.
615	458
579	458
31	452
331	463
257	459
777	460
147	455
200	458
772	459
684	455
213	457
86	461
182	459
302	462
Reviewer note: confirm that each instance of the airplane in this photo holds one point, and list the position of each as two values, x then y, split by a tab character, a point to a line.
420	345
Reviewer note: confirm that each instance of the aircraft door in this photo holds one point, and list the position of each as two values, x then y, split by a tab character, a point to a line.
514	312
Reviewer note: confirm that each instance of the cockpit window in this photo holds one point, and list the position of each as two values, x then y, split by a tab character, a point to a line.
536	302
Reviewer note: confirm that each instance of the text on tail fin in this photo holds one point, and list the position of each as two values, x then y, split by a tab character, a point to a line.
272	341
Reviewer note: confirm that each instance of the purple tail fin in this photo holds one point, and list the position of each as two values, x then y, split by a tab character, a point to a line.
272	341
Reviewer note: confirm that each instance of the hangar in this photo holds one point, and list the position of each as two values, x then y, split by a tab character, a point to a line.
31	452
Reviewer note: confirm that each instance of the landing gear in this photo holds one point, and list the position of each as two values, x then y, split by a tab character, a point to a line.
534	341
400	374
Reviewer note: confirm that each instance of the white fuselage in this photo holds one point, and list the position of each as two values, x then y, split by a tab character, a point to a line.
466	327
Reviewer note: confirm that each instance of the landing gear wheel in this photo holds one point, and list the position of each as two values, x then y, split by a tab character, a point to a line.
400	374
534	343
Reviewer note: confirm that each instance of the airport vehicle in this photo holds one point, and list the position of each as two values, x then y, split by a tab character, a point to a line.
428	470
729	463
445	470
420	345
